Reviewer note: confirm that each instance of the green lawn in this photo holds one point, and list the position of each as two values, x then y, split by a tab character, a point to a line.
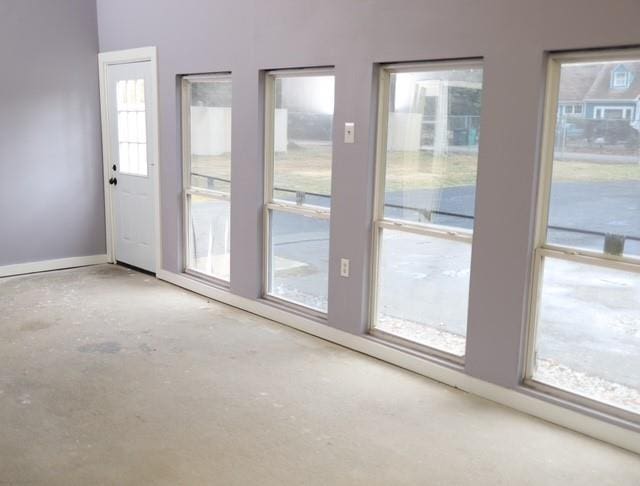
575	171
309	170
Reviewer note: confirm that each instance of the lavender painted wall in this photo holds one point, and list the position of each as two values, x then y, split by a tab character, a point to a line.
246	36
51	197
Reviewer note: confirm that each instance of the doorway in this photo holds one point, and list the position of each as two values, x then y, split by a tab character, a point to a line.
128	92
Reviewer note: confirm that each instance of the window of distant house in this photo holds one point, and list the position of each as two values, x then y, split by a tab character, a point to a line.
620	79
429	129
206	138
584	342
299	151
577	109
612	112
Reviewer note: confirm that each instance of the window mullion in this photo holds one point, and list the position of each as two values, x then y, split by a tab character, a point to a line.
311	211
591	258
198	191
426	230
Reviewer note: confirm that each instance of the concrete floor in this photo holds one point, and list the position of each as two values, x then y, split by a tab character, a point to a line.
108	376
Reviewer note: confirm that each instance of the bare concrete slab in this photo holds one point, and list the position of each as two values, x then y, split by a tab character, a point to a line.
108	376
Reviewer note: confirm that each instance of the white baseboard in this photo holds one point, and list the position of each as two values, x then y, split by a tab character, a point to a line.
523	401
48	265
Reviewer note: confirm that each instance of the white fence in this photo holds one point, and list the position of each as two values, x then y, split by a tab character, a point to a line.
404	131
211	130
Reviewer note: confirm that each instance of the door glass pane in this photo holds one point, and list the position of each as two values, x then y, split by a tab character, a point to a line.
423	290
134	162
141	127
595	189
302	139
210	120
132	129
209	249
299	259
433	131
588	332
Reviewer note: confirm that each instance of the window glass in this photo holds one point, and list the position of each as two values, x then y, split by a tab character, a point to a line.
432	137
595	189
302	139
299	259
132	127
588	334
210	122
424	289
209	248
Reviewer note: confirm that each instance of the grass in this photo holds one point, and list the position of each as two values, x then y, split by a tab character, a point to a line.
309	169
576	171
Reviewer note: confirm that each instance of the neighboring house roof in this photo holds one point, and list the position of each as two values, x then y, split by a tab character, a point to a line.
577	80
584	82
602	89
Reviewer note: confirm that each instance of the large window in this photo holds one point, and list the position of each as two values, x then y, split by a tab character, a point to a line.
206	129
428	132
299	126
585	323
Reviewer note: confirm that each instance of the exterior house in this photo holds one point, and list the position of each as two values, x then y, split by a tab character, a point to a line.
599	106
601	92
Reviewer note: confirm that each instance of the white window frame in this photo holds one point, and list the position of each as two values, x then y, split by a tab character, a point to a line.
380	222
187	189
307	210
543	249
625	79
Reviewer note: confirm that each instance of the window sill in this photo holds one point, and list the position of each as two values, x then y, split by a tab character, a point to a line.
571	400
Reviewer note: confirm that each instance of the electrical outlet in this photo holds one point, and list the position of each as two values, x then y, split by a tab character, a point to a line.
349	132
344	267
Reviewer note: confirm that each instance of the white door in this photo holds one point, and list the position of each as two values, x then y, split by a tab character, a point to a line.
132	168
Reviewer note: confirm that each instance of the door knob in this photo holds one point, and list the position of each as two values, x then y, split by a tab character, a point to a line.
113	181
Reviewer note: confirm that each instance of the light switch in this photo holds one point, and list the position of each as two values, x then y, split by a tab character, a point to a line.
349	132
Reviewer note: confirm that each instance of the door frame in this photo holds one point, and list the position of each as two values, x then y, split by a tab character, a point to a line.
106	59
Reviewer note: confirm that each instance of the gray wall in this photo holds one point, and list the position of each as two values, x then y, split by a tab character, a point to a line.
246	36
51	197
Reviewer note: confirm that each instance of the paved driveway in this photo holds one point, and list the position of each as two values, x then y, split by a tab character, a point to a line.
591	320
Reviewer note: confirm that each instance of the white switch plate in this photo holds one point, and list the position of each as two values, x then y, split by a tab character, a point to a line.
344	267
349	132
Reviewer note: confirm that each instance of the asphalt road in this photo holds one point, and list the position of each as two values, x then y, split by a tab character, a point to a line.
590	320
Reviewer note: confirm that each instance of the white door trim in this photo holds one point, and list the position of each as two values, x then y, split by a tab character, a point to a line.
106	59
